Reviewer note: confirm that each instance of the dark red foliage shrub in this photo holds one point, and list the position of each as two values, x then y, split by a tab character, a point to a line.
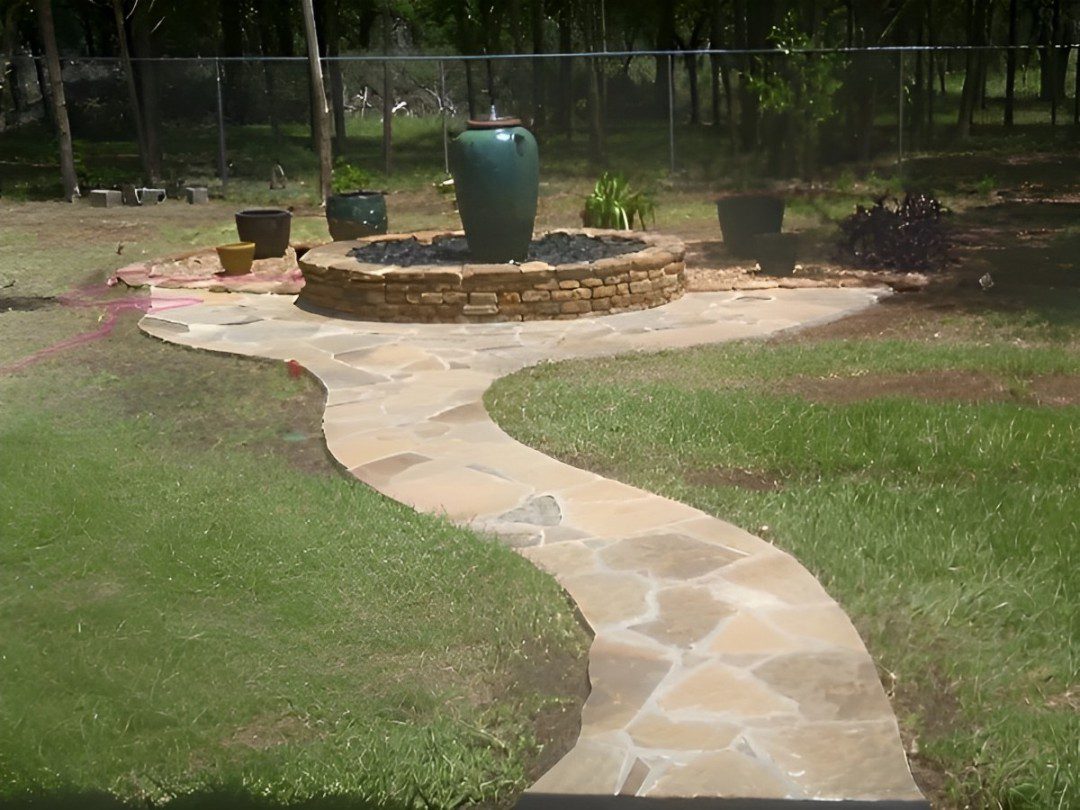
904	235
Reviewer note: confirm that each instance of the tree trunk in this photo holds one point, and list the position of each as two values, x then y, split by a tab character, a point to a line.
692	75
230	13
665	40
43	86
129	78
63	128
1076	89
1010	65
757	16
747	102
565	113
537	24
593	66
7	62
918	96
318	93
86	22
388	95
976	26
716	39
930	72
337	84
267	46
148	89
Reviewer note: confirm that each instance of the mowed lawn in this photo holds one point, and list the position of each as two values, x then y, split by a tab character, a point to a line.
195	602
934	487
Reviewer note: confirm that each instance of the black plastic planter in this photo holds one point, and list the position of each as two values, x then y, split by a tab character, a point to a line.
268	228
743	216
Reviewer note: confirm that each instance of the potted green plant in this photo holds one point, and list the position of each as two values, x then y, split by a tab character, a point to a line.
352	211
613	203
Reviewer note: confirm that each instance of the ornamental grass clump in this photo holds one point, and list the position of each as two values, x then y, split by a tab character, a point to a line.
903	235
614	204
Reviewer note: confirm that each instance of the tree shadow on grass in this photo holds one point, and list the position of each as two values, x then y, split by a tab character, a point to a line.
234	799
1030	251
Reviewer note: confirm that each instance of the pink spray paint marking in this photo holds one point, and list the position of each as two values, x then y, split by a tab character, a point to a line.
83	298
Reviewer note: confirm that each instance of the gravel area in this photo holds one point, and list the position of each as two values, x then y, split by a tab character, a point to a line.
554	249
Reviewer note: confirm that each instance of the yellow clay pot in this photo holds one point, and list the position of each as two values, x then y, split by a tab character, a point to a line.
236	259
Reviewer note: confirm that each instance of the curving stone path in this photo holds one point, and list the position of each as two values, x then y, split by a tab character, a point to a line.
720	667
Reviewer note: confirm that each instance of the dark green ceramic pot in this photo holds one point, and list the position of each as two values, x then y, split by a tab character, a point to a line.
496	168
356	214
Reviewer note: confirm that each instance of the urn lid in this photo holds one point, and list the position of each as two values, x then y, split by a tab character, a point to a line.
494	121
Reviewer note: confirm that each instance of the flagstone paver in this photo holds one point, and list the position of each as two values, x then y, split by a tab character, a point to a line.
720	667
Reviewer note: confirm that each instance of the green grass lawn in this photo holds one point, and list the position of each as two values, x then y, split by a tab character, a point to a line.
948	529
195	602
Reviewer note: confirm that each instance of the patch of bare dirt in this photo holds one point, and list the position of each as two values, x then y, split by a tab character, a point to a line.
557	724
25	303
267	732
755	481
963	386
1069	701
1055	389
933	701
936	386
711	268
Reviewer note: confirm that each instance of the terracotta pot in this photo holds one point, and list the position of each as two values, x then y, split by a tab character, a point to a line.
776	252
268	228
356	214
743	216
236	259
496	168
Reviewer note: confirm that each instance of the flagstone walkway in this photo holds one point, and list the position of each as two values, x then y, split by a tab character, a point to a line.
720	667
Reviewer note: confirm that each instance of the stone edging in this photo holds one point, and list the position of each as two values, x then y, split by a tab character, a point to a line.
465	293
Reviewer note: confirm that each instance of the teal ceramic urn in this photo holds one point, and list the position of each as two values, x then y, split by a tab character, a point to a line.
496	168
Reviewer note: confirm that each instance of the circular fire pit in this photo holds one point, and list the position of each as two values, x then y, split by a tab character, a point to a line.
427	277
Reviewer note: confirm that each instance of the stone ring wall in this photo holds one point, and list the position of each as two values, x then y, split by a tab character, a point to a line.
640	279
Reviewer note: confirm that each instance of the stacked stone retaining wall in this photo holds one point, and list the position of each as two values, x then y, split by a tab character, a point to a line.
534	290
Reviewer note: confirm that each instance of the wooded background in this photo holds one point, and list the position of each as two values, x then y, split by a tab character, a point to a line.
794	102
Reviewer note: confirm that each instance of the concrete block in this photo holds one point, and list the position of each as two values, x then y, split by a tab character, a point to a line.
196	195
105	198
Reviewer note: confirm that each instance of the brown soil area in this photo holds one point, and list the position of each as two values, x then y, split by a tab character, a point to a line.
556	724
711	268
1029	252
735	477
937	386
25	304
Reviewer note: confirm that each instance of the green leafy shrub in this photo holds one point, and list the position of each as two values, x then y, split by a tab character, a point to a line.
348	177
614	204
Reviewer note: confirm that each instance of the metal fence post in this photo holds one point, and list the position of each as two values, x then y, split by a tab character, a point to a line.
671	111
223	164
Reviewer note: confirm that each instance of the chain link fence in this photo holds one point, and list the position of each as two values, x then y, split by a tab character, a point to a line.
721	115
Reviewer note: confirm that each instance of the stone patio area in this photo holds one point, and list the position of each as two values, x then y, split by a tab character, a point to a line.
720	666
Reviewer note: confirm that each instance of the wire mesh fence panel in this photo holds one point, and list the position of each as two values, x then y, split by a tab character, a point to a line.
721	116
